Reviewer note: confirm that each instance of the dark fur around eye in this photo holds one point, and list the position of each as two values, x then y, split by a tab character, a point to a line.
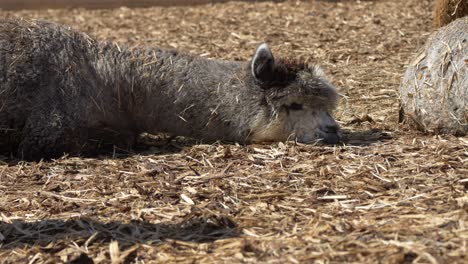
295	107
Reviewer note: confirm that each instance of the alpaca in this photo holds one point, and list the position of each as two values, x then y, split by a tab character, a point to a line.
62	91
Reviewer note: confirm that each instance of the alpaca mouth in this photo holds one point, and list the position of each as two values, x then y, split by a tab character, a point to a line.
330	134
330	138
321	137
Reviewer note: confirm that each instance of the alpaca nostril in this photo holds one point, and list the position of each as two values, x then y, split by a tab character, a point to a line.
331	129
332	139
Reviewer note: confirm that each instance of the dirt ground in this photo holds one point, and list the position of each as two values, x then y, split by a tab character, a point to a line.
99	4
389	195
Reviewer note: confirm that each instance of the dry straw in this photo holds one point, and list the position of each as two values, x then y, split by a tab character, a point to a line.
390	195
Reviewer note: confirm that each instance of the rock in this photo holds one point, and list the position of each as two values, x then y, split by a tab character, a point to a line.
434	91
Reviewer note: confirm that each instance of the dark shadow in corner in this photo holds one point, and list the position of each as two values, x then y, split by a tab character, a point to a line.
198	229
364	138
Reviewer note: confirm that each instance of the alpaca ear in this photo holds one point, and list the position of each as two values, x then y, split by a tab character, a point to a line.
263	64
317	71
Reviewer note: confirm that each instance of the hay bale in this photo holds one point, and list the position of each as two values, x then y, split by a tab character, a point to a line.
446	11
434	92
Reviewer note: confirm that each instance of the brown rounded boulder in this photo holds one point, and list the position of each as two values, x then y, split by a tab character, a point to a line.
434	91
445	11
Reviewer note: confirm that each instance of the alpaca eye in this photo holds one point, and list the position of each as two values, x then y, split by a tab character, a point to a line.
295	107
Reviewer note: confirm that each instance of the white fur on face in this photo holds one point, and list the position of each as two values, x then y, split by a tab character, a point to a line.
309	125
306	126
266	130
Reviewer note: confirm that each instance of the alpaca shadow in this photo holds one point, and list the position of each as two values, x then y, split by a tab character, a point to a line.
197	229
163	145
364	138
145	145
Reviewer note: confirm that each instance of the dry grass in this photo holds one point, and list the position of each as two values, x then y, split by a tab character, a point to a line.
389	195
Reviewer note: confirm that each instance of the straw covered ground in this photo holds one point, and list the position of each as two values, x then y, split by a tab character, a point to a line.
390	194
